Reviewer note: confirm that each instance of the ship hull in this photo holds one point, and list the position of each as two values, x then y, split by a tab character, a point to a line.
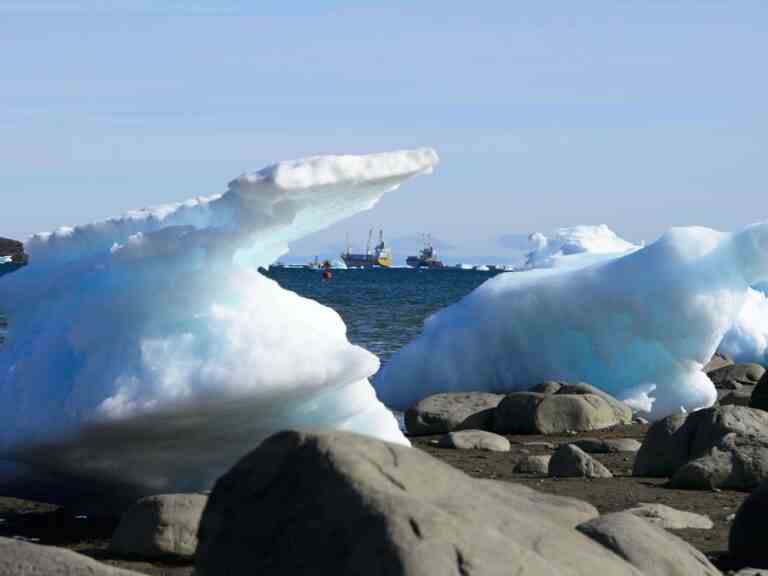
415	262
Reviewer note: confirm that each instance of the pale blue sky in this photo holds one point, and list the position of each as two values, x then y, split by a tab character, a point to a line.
641	115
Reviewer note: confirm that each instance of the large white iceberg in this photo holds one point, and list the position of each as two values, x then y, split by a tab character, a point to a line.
580	246
148	349
574	246
640	325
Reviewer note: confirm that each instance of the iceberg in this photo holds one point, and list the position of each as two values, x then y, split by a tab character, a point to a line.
147	350
639	325
747	340
574	246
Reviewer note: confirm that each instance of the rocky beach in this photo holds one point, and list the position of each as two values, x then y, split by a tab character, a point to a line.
687	474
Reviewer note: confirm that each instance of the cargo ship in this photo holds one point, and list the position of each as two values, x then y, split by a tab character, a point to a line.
427	258
379	257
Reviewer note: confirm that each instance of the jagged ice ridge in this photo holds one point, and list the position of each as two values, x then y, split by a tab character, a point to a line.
148	349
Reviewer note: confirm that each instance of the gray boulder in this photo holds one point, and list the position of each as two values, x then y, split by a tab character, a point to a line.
160	526
664	449
607	445
719	447
339	503
653	550
19	558
571	408
549	387
569	461
475	440
718	361
441	413
747	541
738	397
536	465
759	397
670	518
736	375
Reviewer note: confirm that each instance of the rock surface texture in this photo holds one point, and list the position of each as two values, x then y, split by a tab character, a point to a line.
339	503
671	518
736	375
747	542
160	526
719	447
718	361
441	413
18	558
559	408
475	440
650	548
607	445
570	461
538	465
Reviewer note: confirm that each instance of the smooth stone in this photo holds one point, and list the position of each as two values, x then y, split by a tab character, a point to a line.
160	526
442	413
550	387
18	558
475	440
737	375
573	408
607	445
739	397
570	461
544	445
670	518
718	447
653	550
538	465
339	503
664	449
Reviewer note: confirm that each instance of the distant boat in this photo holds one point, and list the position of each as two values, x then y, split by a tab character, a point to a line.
427	258
380	256
317	265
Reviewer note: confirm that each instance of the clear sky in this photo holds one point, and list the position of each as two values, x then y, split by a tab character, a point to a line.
640	115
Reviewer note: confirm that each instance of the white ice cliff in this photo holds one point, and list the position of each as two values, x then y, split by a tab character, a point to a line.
149	350
636	324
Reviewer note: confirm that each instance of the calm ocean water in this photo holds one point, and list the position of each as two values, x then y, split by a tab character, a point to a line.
384	309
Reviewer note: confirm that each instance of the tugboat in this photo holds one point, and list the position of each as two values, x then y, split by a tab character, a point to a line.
427	258
381	256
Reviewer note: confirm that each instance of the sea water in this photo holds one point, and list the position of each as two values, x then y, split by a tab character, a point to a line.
383	308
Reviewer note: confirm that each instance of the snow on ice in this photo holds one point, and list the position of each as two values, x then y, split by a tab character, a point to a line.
639	325
147	349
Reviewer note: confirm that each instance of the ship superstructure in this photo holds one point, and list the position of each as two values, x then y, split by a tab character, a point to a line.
427	258
379	256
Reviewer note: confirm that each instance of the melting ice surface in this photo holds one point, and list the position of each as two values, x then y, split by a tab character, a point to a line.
148	349
639	325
